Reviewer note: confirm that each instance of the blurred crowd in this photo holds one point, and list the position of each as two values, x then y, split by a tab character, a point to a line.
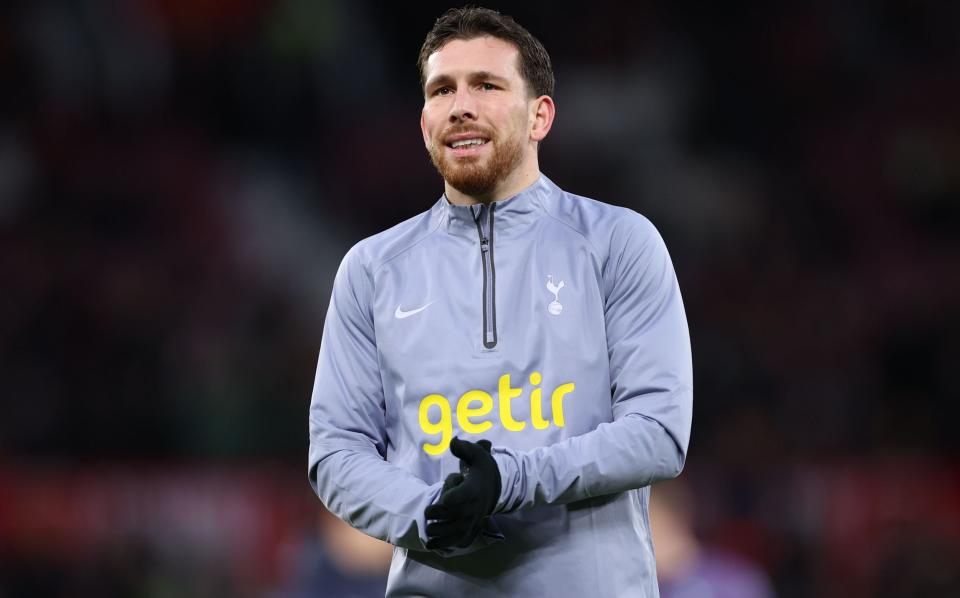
179	180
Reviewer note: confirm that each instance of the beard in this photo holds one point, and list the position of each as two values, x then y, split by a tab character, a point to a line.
478	176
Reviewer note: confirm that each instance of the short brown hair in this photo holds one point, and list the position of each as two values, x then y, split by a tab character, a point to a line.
471	22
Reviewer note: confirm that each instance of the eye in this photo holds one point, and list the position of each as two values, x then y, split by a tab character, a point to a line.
488	86
442	91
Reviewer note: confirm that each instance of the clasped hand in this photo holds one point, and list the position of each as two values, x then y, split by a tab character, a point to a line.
466	498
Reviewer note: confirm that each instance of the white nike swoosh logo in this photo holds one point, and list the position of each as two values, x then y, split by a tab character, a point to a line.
400	314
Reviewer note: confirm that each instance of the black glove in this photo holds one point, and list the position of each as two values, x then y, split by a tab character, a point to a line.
467	497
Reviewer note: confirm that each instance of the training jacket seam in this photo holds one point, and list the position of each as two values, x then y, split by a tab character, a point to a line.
407	248
596	252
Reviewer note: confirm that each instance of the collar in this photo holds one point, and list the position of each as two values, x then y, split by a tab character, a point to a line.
510	215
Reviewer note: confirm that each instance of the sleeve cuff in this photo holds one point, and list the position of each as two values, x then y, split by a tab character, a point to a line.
507	464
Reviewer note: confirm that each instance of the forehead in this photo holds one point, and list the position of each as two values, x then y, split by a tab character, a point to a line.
460	57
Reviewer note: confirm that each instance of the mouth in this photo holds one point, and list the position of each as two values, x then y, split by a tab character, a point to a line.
467	146
468	142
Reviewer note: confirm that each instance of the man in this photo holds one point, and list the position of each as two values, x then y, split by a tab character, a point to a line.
502	377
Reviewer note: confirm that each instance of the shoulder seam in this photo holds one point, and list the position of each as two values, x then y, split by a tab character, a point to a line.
407	248
626	243
574	229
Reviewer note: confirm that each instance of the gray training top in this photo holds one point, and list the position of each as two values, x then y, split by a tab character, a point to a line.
548	323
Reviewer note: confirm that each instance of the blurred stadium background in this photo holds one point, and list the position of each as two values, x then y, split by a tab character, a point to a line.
180	178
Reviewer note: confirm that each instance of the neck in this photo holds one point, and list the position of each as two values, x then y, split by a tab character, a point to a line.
521	178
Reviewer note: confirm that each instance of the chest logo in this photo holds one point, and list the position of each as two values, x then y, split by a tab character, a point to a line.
400	314
555	306
476	411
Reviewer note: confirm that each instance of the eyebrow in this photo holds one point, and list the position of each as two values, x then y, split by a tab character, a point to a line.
473	76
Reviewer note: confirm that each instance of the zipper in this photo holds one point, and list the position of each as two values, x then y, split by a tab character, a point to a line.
489	277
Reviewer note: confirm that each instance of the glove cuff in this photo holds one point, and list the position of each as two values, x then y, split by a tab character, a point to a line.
489	534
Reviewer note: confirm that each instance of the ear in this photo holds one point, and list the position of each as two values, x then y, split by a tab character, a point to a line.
542	111
423	129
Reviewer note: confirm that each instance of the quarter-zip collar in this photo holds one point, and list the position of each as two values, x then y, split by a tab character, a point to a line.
513	215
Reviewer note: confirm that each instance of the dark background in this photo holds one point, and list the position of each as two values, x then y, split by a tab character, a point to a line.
179	180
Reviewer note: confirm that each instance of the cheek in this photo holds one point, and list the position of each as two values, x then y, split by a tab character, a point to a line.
520	117
430	122
515	124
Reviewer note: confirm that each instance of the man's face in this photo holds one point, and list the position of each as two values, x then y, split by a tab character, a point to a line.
476	118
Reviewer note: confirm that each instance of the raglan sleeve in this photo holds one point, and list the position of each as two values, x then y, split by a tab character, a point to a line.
348	436
651	390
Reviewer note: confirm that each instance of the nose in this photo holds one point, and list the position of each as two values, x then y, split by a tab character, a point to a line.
464	107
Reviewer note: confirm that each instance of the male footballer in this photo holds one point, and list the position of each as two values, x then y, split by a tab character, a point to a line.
502	377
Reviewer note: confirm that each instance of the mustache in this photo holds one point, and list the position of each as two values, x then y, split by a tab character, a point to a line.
472	130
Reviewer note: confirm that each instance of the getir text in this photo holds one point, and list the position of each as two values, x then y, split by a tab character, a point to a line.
475	404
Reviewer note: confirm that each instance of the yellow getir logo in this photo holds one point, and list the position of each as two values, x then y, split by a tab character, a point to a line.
475	404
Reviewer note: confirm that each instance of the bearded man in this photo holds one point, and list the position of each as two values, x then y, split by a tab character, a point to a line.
502	377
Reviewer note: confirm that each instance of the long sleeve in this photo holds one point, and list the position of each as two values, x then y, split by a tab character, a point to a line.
346	463
651	389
